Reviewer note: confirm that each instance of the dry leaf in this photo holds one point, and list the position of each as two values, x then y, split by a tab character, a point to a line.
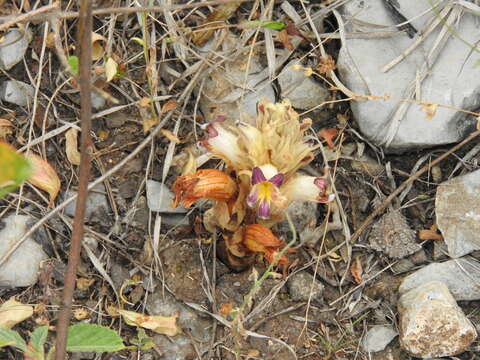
170	136
81	314
430	234
111	68
144	102
6	128
213	21
429	109
357	270
328	135
97	46
284	38
13	312
44	176
84	283
71	147
166	325
168	106
225	309
148	123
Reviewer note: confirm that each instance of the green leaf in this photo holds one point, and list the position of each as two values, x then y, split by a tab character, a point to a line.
12	338
93	338
138	41
15	169
38	338
275	25
74	64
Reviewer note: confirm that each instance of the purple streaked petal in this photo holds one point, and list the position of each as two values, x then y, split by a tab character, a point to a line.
220	118
252	198
277	180
257	176
211	131
264	210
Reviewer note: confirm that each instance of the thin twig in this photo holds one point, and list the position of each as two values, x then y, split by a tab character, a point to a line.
86	148
411	179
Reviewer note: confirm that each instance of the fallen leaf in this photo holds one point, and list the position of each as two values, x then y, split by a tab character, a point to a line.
284	38
71	147
166	325
148	123
328	135
97	46
429	109
213	21
81	314
170	136
357	270
169	106
430	234
6	128
13	312
43	176
111	69
84	283
225	309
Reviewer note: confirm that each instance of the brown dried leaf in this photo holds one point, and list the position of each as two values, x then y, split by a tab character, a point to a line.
84	283
6	128
148	123
144	102
225	309
166	325
357	270
97	46
170	136
81	314
326	64
284	38
71	147
168	106
429	109
44	176
217	17
430	234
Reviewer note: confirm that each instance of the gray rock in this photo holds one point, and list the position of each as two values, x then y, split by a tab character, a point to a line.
21	268
453	79
172	220
302	91
17	92
97	202
378	337
299	286
457	207
164	304
161	201
13	48
462	276
432	324
179	347
303	215
119	274
223	92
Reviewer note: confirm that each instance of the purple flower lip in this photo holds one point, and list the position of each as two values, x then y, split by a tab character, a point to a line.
277	180
321	184
264	210
252	198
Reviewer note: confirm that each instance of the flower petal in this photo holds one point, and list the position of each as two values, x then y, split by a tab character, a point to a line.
277	180
257	176
263	210
306	188
252	198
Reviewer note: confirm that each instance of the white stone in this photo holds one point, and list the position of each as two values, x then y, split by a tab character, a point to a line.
378	337
97	201
13	47
457	207
17	92
453	79
432	324
21	268
302	91
462	276
160	198
301	289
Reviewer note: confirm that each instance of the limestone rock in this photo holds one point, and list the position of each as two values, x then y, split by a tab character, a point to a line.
432	324
160	198
462	276
378	337
17	92
457	207
13	47
452	79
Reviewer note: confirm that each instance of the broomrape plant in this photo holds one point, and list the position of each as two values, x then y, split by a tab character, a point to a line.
260	181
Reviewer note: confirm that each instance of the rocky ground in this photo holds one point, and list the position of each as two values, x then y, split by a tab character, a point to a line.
389	88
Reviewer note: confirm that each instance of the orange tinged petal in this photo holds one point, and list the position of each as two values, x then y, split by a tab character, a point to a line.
207	184
259	238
